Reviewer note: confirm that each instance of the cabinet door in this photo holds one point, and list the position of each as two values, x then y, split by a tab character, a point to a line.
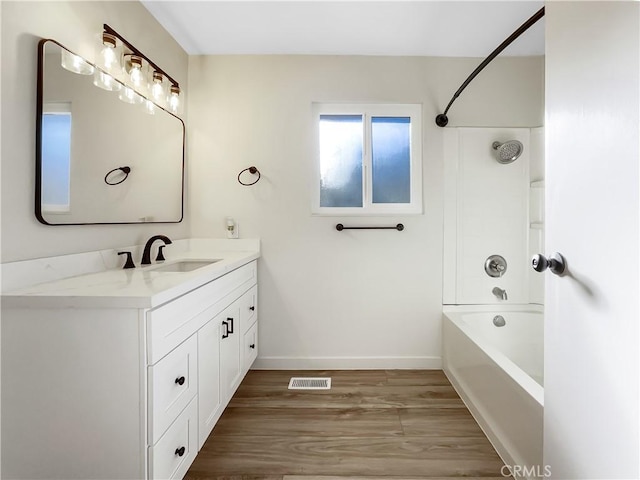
249	348
229	351
248	308
209	395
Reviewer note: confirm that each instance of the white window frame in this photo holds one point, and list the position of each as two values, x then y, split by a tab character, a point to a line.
414	112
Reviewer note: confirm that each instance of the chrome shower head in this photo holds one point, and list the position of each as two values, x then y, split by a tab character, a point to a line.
508	152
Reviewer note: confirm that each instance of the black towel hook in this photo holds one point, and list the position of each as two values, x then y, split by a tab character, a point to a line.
125	170
253	170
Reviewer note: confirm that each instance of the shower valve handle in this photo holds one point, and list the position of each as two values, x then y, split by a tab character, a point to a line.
555	263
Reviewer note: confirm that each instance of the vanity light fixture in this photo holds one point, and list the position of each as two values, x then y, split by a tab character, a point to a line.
108	59
135	65
76	64
157	87
106	82
122	68
129	95
135	71
149	107
174	99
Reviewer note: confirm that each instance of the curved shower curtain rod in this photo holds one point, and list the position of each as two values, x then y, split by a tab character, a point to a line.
442	119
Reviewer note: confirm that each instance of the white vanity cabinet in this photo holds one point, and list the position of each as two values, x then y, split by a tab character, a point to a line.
121	392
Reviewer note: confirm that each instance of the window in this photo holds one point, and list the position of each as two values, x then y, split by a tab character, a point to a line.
368	159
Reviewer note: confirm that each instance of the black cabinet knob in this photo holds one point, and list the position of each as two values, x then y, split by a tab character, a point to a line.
252	308
180	380
253	345
230	320
180	451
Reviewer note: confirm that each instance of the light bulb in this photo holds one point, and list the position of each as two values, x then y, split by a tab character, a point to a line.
128	95
106	81
135	74
157	89
108	56
75	63
149	107
174	99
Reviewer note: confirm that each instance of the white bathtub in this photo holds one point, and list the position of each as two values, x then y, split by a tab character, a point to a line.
498	372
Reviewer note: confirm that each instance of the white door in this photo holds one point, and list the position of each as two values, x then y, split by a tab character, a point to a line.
591	423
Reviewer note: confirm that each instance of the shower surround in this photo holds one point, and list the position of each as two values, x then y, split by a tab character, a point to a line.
493	315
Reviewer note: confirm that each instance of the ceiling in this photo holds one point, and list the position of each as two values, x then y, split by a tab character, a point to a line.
356	27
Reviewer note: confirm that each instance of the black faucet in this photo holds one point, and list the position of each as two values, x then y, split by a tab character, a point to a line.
146	255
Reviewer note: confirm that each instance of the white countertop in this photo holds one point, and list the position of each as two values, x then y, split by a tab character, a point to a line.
132	288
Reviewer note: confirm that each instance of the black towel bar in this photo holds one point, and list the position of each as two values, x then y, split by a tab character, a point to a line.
399	227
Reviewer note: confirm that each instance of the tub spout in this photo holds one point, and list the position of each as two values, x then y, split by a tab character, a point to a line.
499	293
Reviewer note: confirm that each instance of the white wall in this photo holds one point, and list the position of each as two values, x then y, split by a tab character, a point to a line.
77	25
592	359
336	299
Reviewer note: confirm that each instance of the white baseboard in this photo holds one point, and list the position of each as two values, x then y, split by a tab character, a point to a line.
347	363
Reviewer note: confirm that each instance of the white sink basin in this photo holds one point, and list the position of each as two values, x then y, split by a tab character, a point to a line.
184	265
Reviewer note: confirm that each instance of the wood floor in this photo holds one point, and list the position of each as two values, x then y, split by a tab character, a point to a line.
372	424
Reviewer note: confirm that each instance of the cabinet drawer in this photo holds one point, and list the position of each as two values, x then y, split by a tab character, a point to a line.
174	453
249	348
248	308
173	322
173	382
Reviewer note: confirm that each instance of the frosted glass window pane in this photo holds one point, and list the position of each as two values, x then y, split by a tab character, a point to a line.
391	158
56	157
341	140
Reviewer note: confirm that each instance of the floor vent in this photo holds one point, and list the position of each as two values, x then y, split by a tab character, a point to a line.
309	383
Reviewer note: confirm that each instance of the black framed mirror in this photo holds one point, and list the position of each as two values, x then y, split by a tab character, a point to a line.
100	160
